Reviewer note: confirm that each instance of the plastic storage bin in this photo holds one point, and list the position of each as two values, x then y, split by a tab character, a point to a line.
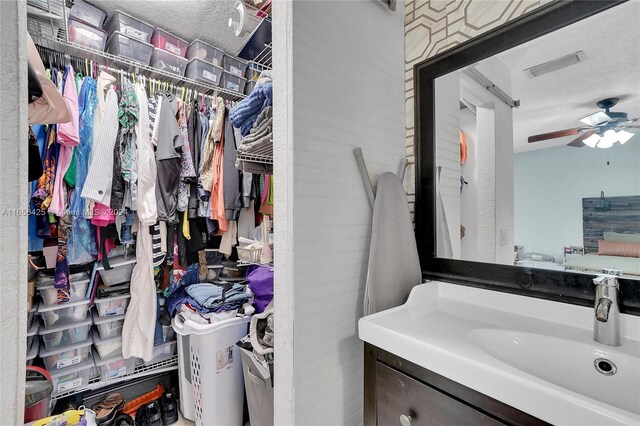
213	257
32	334
72	377
168	62
86	35
77	291
88	13
233	82
45	280
120	44
129	26
167	41
257	385
65	334
248	88
234	66
122	267
253	73
64	313
112	306
107	347
108	326
32	352
216	369
205	72
113	366
162	352
198	49
66	356
31	314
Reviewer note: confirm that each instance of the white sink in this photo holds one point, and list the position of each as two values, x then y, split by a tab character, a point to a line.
533	354
569	364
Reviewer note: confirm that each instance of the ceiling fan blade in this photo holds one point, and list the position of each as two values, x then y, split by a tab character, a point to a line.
577	142
553	135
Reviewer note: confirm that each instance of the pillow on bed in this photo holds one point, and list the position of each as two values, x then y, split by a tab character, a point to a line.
622	238
614	248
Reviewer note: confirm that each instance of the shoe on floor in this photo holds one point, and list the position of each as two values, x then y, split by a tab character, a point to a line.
107	409
149	415
123	419
169	408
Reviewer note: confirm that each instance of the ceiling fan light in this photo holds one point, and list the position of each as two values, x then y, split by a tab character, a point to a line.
608	139
596	119
624	136
592	141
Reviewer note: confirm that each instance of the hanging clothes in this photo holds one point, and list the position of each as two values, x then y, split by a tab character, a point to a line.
97	186
140	319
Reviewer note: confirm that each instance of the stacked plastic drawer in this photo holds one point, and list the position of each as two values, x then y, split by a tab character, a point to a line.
111	302
233	75
85	25
168	52
205	63
129	37
65	333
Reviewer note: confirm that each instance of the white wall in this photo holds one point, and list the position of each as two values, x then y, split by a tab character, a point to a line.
13	195
346	90
550	184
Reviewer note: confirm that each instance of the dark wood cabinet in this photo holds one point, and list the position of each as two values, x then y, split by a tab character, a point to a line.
398	392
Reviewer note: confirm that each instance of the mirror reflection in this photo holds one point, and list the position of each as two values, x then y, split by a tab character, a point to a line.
538	151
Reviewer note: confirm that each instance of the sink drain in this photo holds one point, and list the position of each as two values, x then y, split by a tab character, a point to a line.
604	366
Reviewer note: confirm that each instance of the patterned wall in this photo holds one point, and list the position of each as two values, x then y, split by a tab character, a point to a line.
433	26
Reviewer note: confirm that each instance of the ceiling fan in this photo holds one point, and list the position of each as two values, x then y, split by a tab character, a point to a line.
603	128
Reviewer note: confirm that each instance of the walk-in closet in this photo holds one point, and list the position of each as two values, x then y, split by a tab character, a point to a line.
150	285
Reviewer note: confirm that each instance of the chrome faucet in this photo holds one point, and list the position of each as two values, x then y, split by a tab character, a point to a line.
606	324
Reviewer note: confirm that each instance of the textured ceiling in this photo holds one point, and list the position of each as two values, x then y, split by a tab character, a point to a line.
557	100
206	20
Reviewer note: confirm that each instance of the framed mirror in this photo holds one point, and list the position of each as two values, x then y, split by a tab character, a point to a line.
528	154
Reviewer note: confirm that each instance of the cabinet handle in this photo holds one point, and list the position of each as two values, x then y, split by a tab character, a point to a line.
405	420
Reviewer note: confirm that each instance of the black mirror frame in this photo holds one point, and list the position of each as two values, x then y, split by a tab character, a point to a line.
568	287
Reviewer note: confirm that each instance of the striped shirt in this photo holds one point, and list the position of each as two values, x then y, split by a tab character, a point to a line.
97	186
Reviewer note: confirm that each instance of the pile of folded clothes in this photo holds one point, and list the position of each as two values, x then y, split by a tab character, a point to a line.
206	303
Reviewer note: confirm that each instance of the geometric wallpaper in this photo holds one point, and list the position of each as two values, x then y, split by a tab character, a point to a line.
433	26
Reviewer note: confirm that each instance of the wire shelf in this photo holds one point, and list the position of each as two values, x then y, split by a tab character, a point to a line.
262	155
140	371
117	62
264	58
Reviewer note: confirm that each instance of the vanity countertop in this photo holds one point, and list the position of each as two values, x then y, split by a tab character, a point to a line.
535	355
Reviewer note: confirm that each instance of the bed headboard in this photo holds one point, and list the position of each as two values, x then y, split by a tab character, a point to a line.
622	215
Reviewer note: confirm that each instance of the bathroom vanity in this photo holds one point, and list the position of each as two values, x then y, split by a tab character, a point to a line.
455	354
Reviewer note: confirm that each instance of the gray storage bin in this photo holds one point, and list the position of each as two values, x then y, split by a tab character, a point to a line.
64	313
198	49
121	267
165	61
252	74
108	326
86	35
65	356
257	384
235	66
120	44
199	70
88	13
248	88
233	82
65	334
130	26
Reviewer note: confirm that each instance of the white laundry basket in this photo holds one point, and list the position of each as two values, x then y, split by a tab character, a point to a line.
216	369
